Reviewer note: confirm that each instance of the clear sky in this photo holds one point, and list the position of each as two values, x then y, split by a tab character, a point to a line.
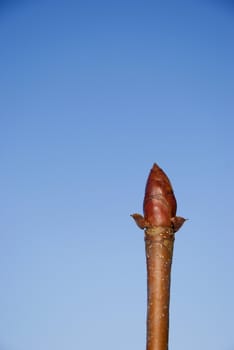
92	93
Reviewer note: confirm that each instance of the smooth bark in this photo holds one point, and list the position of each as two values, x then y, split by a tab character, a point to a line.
159	250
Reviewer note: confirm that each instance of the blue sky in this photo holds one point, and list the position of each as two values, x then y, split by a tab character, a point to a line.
92	94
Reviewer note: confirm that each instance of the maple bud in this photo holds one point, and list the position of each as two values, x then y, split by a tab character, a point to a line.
159	203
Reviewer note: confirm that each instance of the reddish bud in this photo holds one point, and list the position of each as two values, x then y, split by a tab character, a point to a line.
159	203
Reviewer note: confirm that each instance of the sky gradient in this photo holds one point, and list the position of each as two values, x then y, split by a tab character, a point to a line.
92	94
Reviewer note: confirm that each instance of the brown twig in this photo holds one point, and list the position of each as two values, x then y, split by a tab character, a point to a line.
160	223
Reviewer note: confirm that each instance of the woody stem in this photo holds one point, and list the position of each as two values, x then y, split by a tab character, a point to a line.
159	251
